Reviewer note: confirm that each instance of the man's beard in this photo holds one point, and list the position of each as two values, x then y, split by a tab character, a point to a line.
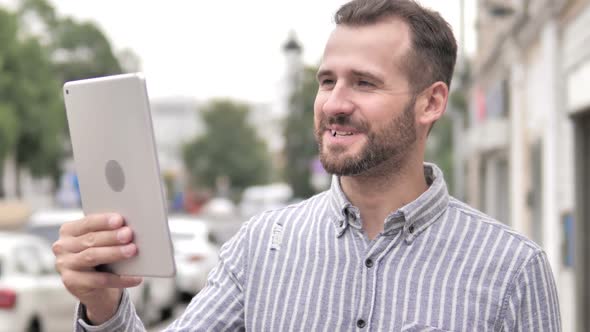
388	146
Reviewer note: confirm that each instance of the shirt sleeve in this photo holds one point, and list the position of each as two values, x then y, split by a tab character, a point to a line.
220	305
531	304
125	319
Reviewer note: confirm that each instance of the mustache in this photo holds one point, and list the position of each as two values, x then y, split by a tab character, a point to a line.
342	120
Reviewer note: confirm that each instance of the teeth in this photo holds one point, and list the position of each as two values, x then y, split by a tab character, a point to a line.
340	133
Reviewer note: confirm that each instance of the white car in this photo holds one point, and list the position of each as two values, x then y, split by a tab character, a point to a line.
32	296
256	199
194	252
154	299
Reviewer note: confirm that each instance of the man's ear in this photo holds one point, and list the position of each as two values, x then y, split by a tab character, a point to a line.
432	104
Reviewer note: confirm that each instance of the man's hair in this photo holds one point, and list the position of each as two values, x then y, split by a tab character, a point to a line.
433	49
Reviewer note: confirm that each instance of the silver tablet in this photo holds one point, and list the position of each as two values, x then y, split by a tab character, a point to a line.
117	165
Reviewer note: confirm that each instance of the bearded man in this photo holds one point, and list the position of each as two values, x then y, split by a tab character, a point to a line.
384	249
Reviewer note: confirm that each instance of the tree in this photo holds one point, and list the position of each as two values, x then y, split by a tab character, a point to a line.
33	66
40	110
78	49
8	116
300	146
439	149
81	51
8	131
229	149
31	118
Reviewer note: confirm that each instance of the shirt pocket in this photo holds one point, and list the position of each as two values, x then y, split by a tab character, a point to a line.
418	327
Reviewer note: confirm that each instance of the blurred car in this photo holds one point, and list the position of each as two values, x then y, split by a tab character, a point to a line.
154	299
219	207
32	296
256	199
223	218
194	251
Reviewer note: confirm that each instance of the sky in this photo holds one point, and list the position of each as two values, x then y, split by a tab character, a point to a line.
207	49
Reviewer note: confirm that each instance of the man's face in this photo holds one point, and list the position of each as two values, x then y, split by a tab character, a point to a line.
364	108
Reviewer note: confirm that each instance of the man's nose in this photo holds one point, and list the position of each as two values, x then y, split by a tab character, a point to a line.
338	101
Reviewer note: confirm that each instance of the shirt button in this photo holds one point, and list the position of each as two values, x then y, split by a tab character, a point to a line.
360	323
369	263
411	229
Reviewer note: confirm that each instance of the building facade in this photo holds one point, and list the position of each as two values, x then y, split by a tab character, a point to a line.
575	66
528	141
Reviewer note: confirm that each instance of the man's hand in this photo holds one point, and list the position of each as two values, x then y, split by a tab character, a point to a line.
86	243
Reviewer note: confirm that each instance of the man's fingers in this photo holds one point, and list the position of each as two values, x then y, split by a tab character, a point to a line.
80	280
92	257
91	223
71	244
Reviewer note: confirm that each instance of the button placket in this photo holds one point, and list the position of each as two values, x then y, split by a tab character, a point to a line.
369	277
375	253
367	284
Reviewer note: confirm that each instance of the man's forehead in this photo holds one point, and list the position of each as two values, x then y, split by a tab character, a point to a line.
385	42
390	31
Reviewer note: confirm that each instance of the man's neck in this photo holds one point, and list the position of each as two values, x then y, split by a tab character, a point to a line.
379	194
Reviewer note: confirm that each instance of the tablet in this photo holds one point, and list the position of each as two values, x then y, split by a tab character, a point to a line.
117	165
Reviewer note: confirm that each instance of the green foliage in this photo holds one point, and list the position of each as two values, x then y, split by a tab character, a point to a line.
230	148
79	49
439	149
40	111
8	116
32	117
40	8
8	130
32	69
300	145
458	101
86	51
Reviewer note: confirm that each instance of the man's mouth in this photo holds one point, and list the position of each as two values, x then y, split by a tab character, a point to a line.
340	133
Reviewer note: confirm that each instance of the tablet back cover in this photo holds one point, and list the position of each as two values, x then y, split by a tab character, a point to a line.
117	165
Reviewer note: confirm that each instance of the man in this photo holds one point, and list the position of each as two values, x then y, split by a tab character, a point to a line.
385	249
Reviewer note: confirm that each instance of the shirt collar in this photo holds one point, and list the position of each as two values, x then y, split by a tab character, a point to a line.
413	218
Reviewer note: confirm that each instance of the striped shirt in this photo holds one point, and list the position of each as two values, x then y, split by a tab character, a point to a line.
439	265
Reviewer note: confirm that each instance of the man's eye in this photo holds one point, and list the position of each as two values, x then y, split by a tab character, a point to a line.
365	84
326	82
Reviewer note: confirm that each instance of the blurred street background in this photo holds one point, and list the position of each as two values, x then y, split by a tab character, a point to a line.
232	86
